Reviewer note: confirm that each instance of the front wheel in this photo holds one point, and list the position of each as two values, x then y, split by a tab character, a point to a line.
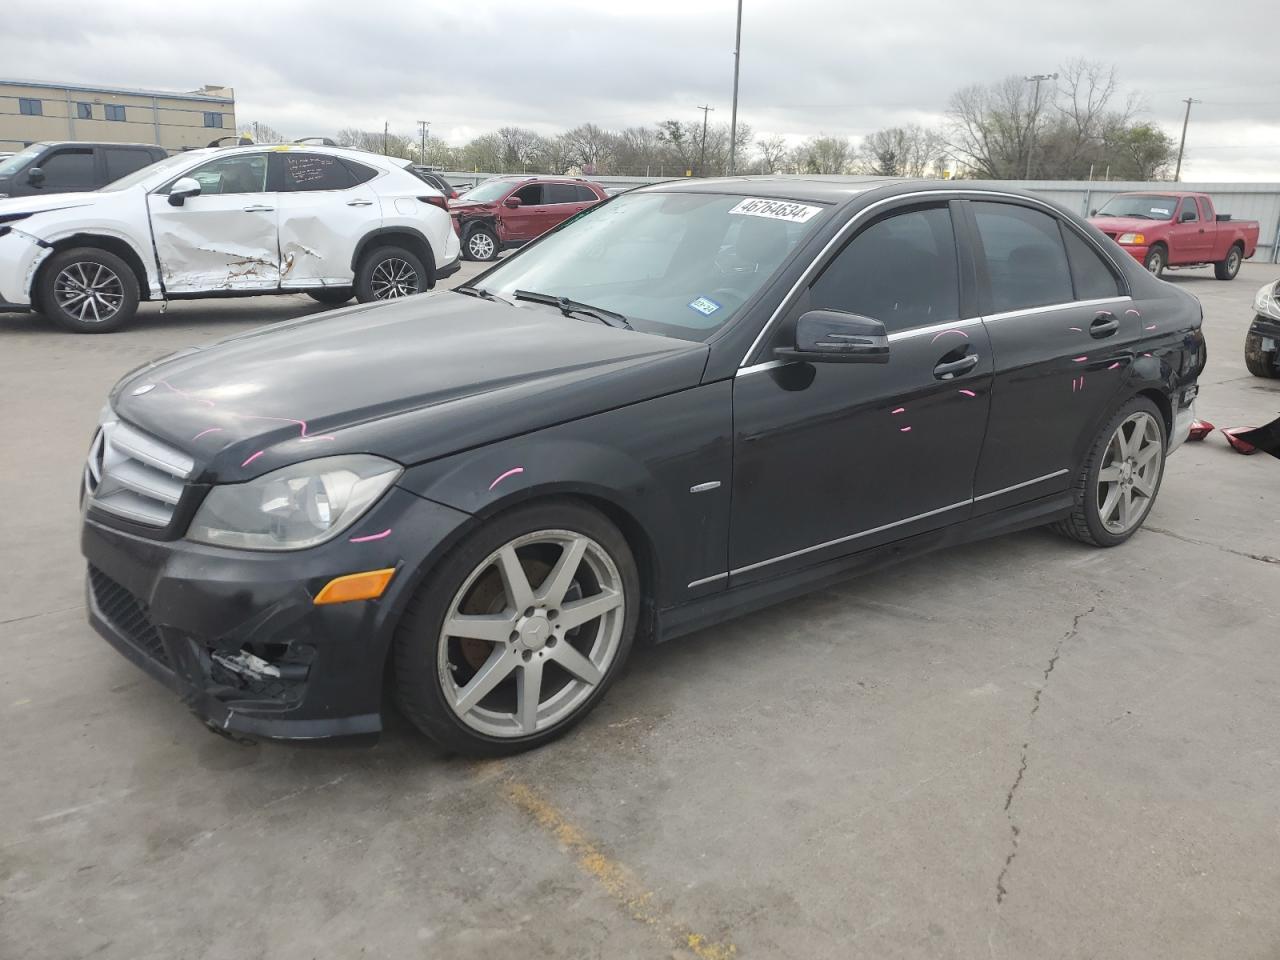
519	633
389	273
1228	268
1155	261
1120	477
1261	363
88	290
482	244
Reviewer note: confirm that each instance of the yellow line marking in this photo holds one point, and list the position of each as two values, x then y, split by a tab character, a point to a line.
616	879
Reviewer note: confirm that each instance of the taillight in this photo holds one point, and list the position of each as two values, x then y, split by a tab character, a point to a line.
437	201
1200	429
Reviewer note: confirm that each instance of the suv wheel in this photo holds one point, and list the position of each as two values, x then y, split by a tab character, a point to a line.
1228	268
482	244
1120	477
88	290
389	273
515	637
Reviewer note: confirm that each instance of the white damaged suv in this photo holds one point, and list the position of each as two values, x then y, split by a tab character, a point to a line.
237	221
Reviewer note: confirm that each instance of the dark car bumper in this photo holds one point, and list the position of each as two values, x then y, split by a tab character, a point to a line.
204	620
449	269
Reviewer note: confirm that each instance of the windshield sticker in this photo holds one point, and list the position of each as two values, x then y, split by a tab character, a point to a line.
705	305
776	210
1161	210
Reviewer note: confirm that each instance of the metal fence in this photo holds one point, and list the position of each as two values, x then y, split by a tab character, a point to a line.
1243	201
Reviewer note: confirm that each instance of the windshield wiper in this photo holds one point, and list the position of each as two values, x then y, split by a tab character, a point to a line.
610	318
471	291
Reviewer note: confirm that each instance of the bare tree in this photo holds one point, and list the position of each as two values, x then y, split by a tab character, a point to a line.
591	147
520	147
910	151
261	132
824	155
683	140
772	154
992	126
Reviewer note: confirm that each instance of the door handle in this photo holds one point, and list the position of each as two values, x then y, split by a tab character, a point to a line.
258	208
359	203
1104	325
945	371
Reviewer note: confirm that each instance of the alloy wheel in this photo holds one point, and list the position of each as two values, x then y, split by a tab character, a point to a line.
393	278
1129	473
480	245
89	292
1155	263
1233	261
531	633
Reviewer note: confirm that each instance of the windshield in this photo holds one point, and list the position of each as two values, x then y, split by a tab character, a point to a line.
1145	206
158	169
676	264
490	190
19	160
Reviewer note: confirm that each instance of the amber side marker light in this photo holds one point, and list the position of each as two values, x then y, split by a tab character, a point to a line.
355	586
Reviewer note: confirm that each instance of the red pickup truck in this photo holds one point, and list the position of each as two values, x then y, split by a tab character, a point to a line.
1177	230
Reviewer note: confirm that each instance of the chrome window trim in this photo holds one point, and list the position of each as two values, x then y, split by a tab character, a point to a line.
841	235
1052	307
887	526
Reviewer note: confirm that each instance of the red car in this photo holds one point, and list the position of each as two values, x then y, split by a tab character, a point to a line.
508	212
1177	230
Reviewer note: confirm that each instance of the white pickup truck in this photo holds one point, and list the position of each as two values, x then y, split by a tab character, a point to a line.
238	221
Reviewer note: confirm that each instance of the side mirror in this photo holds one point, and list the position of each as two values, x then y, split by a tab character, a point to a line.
512	202
182	188
831	336
35	176
1093	212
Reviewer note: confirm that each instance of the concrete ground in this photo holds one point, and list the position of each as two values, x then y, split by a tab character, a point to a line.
1019	749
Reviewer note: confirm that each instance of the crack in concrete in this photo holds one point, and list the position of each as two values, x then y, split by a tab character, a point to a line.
46	613
1014	830
1260	557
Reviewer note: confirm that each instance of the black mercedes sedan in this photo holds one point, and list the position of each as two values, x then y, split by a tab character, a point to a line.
693	400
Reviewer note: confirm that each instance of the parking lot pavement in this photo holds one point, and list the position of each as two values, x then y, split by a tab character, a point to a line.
1021	748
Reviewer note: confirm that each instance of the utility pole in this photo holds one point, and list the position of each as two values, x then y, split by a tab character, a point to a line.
733	122
1035	113
702	164
423	125
386	129
1186	118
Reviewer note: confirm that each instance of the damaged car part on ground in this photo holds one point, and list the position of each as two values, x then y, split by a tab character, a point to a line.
240	221
493	497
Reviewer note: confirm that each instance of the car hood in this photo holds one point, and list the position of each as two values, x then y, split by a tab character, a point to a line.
44	202
1125	224
412	380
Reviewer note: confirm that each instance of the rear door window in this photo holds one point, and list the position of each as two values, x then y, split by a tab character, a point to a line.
122	161
304	172
561	193
1094	278
585	194
1025	259
68	169
901	270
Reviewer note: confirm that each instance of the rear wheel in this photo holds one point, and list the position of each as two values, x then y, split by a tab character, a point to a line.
1228	268
1261	363
332	296
1120	477
389	273
88	290
520	632
1156	260
482	244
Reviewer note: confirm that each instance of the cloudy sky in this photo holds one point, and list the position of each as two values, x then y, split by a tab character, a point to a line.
840	67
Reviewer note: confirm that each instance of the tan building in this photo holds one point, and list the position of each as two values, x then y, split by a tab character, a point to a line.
31	111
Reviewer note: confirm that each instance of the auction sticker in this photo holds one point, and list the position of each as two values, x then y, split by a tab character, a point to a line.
776	210
705	306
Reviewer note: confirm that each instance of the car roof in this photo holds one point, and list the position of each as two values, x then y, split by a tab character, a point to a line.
821	189
94	143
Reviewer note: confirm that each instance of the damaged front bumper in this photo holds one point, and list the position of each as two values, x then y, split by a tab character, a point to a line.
236	633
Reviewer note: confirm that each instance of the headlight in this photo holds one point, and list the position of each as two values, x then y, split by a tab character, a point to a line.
293	507
1266	302
1136	239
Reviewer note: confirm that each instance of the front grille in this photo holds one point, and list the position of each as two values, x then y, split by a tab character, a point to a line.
135	476
128	615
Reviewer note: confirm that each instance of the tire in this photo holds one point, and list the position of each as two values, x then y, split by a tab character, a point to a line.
1228	268
436	673
481	244
390	273
1086	522
332	296
88	290
1157	259
1261	363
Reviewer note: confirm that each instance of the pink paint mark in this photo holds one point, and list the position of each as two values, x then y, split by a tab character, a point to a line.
1079	359
945	332
904	429
253	458
1076	329
183	393
1150	326
899	410
1114	366
1082	381
968	393
502	476
1136	313
209	430
373	536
